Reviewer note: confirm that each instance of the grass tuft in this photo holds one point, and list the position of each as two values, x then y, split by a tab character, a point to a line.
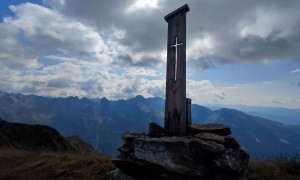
276	169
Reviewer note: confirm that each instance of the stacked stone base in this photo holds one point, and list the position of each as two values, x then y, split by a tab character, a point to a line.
207	152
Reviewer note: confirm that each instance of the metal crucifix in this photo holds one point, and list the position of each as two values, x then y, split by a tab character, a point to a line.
175	45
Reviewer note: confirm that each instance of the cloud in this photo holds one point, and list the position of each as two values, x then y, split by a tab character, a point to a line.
13	54
204	91
275	100
296	70
223	32
141	6
58	34
296	81
241	32
118	49
141	30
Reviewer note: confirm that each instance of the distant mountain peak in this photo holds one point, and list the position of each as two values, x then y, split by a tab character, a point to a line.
104	99
139	97
230	111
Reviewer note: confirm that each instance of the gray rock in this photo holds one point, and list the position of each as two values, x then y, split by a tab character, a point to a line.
177	154
226	141
126	148
209	154
219	129
130	136
233	161
155	130
119	175
144	170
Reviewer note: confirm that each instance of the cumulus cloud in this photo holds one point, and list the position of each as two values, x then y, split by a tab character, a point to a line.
239	31
63	56
223	32
141	5
47	31
204	91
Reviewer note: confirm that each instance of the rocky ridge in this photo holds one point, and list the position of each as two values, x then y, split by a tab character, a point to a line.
38	137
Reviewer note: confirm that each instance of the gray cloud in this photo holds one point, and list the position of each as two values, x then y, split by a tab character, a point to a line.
240	30
271	47
246	31
59	83
145	62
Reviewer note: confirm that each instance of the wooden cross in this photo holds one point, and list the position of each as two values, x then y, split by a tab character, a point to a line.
177	106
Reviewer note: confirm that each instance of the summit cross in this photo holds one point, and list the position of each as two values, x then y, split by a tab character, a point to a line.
177	106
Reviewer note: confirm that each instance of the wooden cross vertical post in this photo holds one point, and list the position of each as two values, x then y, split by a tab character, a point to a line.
175	107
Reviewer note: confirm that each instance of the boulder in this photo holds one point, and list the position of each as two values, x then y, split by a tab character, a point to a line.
177	154
155	130
208	153
139	169
126	148
234	162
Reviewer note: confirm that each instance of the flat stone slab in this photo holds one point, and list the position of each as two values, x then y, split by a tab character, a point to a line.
226	141
129	136
218	129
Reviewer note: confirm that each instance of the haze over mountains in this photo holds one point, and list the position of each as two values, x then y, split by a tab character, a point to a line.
101	122
284	115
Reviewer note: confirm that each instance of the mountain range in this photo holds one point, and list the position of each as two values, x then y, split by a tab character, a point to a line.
101	122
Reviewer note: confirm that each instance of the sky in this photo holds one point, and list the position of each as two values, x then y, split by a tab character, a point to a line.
238	51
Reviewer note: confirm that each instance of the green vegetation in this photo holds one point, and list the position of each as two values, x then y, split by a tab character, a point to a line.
16	164
277	169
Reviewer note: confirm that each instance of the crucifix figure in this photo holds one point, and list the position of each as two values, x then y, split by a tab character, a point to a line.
175	45
176	117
